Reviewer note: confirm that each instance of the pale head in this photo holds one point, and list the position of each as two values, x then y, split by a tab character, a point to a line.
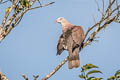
61	20
65	24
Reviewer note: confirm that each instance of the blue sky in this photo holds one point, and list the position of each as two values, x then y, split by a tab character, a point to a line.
31	47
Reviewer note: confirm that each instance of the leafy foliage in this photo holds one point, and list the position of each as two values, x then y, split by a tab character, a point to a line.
116	76
86	72
93	71
88	66
89	69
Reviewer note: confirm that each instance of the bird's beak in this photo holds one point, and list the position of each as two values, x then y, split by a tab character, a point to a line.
56	21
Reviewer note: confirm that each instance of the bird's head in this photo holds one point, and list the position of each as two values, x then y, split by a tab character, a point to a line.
60	20
65	24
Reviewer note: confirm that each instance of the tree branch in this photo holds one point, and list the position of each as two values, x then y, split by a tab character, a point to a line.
14	20
56	69
42	6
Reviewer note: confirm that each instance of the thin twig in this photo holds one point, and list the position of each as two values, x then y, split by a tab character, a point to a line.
103	5
98	7
7	14
42	6
56	69
3	2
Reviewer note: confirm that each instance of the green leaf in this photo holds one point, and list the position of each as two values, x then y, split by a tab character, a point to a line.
21	2
27	4
118	76
111	78
7	9
93	71
90	78
82	76
88	66
117	73
35	77
96	78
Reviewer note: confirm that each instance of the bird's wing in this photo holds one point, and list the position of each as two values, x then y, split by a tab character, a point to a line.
77	35
60	47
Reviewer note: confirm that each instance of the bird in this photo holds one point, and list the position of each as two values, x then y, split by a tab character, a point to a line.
70	40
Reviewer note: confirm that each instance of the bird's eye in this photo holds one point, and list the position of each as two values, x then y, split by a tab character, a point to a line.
60	18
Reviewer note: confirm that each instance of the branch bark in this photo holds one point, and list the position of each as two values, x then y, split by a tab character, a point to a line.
56	69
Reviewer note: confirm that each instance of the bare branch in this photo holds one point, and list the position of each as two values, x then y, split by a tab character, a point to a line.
42	6
1	2
7	13
98	7
94	19
39	2
56	69
103	5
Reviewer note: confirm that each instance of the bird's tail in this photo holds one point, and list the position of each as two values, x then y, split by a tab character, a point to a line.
74	61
